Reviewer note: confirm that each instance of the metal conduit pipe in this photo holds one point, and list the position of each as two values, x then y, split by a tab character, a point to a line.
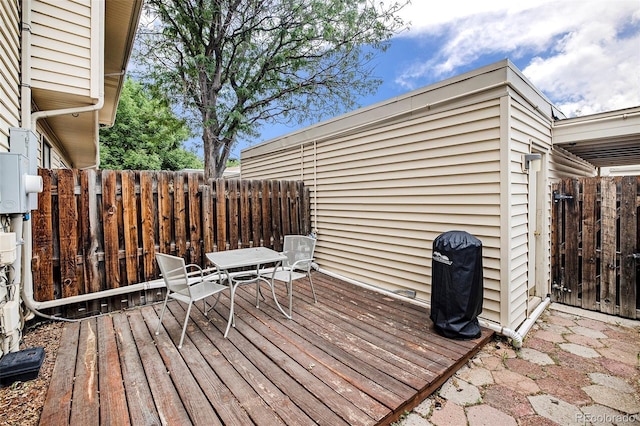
35	306
516	336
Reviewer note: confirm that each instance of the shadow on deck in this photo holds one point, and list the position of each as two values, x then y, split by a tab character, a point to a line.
357	357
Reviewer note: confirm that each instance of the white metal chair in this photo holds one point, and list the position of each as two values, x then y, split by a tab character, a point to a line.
186	287
299	251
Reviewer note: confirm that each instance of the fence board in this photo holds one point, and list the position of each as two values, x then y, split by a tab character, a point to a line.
110	228
589	296
90	228
245	213
130	219
266	215
208	219
221	215
233	213
68	234
124	217
275	223
43	243
628	245
572	224
608	250
165	213
148	216
179	213
195	229
255	213
604	249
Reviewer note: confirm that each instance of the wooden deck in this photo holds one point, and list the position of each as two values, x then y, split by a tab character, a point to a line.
355	358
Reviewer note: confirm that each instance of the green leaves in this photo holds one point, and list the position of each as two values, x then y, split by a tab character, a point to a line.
146	135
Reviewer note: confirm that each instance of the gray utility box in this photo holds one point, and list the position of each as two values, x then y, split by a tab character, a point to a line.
13	194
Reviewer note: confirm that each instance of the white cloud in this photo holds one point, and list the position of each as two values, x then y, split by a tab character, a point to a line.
584	55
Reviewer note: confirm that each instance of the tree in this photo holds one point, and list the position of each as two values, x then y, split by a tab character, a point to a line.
234	64
146	135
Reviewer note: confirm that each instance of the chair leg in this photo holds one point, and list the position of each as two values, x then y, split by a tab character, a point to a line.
315	299
164	306
290	291
184	327
212	306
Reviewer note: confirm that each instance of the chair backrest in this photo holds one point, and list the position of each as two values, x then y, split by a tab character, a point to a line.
174	272
299	247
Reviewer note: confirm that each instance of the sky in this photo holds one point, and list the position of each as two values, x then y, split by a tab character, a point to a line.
584	55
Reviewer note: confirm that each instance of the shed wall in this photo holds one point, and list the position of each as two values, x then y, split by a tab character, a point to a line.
530	132
61	56
9	70
380	198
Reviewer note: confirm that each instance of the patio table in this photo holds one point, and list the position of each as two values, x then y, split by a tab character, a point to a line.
230	263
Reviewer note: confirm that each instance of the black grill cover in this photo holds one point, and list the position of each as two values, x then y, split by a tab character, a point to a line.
457	285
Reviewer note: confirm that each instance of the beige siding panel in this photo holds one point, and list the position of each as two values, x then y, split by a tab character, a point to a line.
9	70
57	160
564	164
381	197
61	52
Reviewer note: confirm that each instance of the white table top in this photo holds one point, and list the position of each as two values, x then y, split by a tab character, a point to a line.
239	258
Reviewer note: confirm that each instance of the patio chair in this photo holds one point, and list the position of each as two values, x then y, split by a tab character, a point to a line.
186	287
299	251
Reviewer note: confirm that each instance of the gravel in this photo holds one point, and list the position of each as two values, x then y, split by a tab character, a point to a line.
21	403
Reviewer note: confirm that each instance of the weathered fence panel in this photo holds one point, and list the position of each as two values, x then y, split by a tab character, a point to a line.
97	230
596	244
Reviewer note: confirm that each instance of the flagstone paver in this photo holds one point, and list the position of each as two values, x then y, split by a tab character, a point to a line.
516	382
575	368
579	350
460	392
550	336
415	420
536	356
611	382
486	415
621	401
621	355
556	410
588	332
478	376
449	414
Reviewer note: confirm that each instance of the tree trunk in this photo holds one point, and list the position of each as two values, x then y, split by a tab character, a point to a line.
210	169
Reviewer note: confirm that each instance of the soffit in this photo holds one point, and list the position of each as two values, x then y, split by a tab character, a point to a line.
121	23
604	140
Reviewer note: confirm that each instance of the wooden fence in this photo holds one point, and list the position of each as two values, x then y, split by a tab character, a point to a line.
596	244
98	230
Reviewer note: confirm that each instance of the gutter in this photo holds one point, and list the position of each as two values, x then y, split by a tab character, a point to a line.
516	336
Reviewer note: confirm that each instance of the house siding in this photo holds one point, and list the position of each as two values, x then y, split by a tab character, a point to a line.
530	131
9	70
61	56
379	198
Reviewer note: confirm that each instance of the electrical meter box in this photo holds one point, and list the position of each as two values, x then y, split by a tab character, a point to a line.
13	195
19	180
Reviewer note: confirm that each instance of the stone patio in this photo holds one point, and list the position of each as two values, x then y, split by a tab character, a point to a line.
576	367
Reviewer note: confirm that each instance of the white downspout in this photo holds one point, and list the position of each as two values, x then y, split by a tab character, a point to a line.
516	336
24	229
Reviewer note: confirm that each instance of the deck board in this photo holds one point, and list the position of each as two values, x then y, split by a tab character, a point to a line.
357	357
